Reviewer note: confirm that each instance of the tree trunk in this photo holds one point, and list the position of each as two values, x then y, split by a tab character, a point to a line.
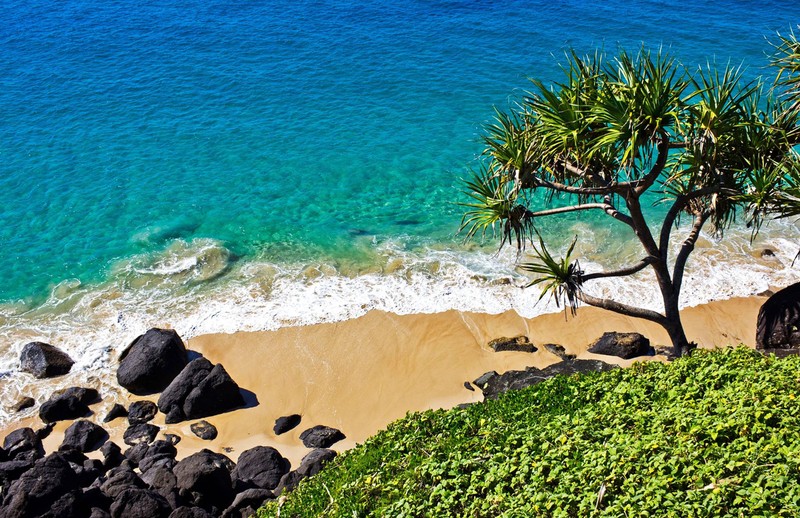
674	327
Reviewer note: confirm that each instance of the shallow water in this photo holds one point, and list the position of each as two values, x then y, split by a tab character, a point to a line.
218	166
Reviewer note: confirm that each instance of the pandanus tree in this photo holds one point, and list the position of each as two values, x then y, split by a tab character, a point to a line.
714	147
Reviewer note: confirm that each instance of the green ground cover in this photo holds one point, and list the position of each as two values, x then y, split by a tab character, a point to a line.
714	434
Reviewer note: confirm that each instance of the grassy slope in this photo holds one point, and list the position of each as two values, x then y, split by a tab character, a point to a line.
716	434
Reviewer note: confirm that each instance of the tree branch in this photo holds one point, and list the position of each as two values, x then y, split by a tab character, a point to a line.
641	265
644	183
624	309
686	249
606	206
677	206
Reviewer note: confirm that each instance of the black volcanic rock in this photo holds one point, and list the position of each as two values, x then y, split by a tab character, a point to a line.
141	412
778	322
62	408
44	360
138	433
321	437
84	436
116	411
263	466
286	423
622	345
517	343
200	390
204	430
204	479
152	361
515	380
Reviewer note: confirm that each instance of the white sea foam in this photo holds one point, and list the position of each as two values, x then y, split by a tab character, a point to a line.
193	287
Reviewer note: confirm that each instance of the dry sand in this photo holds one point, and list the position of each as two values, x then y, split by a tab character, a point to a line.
362	374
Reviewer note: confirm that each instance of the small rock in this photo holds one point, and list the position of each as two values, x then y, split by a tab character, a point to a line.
141	412
468	386
138	433
313	462
622	345
23	403
112	455
559	351
83	436
204	430
116	411
517	343
321	437
286	423
172	438
250	498
44	360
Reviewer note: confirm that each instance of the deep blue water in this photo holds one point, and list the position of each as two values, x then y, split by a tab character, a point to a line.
283	131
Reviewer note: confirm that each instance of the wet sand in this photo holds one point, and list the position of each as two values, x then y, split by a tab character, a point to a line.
359	375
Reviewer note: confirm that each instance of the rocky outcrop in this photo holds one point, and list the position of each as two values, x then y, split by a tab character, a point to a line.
778	323
519	343
44	360
515	380
39	488
622	345
152	361
321	437
200	390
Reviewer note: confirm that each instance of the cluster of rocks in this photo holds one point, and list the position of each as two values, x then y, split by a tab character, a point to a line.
146	480
622	345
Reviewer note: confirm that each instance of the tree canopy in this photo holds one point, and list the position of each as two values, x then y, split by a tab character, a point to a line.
716	148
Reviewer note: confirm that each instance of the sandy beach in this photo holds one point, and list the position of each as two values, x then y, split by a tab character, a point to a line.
360	375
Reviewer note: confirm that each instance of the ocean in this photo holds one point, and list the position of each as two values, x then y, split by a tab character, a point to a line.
220	166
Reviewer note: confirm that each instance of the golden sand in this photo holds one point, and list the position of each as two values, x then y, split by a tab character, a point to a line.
359	375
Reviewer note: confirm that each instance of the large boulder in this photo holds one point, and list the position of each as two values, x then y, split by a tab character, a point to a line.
623	345
321	437
515	380
204	480
200	390
36	490
86	395
83	436
261	466
119	480
62	408
778	323
44	360
152	361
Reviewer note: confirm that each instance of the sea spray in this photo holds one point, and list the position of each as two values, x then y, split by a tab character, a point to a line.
194	287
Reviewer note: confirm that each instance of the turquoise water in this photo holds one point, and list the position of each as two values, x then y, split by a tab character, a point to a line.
222	165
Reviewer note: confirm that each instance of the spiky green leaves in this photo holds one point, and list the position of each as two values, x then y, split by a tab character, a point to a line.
561	278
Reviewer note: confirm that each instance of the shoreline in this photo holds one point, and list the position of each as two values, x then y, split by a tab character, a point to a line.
359	375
